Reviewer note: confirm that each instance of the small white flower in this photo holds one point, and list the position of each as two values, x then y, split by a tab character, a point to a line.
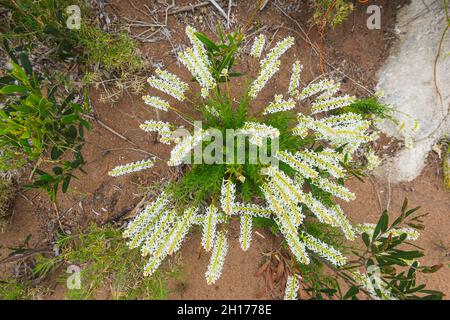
328	164
198	66
197	45
212	110
183	149
279	105
322	213
297	163
132	167
270	65
315	88
143	218
160	231
264	76
182	227
345	225
334	188
167	87
245	235
217	259
259	131
280	48
224	72
258	46
331	103
290	194
292	286
294	83
252	209
287	226
369	281
163	128
209	228
323	249
373	161
227	198
411	234
156	102
174	80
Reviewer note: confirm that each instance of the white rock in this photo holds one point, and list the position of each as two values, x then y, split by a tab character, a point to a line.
408	83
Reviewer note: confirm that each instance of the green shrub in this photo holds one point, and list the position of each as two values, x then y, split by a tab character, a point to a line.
385	264
101	54
34	123
111	52
330	13
45	21
105	262
14	290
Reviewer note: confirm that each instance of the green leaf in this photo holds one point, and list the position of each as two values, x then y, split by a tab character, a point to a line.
381	225
18	73
405	205
71	133
407	255
351	293
25	62
366	239
71	118
57	170
56	153
210	45
432	295
12	88
85	124
66	182
46	177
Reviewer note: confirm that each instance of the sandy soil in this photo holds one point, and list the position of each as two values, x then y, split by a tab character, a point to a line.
351	47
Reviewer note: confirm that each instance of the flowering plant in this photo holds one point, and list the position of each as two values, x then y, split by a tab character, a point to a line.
310	157
384	264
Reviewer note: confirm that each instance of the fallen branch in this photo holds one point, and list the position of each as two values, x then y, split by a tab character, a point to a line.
189	7
219	8
100	122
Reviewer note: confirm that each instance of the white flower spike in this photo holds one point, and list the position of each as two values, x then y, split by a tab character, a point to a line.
294	84
163	128
217	258
279	105
156	102
257	132
245	235
184	148
258	46
132	167
209	228
227	198
292	286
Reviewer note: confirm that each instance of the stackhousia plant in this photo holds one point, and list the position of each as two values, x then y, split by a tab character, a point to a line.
311	155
